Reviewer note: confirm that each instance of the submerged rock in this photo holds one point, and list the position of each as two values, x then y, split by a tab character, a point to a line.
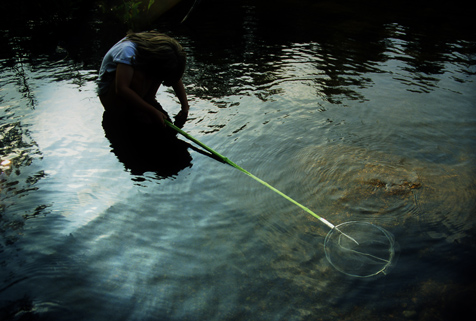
355	183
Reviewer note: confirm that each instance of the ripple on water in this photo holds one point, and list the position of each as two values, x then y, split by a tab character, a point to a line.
388	189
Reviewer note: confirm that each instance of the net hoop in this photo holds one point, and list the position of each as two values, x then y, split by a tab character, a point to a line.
352	252
360	249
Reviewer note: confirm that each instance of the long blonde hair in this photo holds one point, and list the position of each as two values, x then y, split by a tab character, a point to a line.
159	55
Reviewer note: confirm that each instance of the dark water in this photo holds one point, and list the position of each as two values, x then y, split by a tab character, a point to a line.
361	111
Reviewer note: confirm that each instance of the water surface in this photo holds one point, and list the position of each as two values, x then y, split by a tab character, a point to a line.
360	113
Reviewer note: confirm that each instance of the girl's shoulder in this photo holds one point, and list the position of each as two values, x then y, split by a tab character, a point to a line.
123	51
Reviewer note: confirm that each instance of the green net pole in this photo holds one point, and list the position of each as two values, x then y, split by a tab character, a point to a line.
226	160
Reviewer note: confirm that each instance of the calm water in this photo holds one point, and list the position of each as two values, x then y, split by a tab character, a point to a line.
360	112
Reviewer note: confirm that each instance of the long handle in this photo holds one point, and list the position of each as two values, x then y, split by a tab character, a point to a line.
226	160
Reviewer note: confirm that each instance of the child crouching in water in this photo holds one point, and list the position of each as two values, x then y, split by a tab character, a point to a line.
132	72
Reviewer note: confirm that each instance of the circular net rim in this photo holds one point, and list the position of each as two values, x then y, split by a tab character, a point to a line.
388	235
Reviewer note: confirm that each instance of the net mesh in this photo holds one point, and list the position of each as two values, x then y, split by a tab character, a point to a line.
360	249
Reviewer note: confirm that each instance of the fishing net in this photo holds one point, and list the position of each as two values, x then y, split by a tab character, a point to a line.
357	249
360	249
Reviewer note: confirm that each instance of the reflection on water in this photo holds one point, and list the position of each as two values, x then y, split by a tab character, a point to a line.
146	149
360	111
